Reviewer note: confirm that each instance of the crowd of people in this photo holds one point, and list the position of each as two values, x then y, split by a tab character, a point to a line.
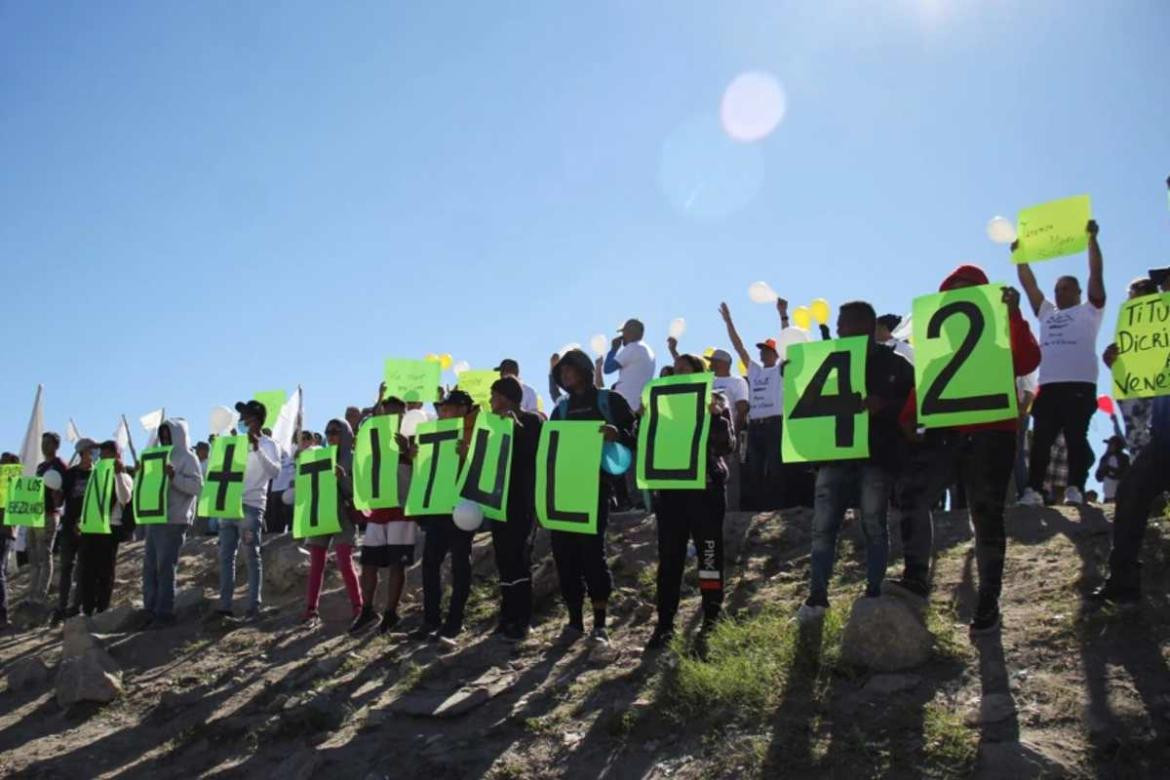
908	469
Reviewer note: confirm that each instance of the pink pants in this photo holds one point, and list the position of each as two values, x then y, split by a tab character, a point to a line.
343	557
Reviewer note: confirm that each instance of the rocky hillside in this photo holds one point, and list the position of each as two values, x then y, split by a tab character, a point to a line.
1068	692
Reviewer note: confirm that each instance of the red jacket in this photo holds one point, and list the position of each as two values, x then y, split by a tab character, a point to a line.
1025	355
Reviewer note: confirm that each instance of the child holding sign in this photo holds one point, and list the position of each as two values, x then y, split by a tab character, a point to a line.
864	482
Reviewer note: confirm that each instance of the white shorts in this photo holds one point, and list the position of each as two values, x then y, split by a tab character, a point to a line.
396	532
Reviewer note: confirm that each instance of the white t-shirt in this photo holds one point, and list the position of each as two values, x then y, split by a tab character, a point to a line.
766	391
637	368
1025	384
528	401
1068	343
735	388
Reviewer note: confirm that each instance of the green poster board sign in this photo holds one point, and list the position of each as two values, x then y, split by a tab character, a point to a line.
151	484
478	385
8	471
434	480
98	503
1142	368
413	381
1053	229
222	495
568	479
489	465
26	502
315	508
963	357
375	463
273	401
824	385
672	436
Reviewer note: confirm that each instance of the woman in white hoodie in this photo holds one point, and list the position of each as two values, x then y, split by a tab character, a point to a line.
99	552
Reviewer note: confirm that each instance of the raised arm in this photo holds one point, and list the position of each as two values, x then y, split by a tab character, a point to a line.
672	345
732	334
782	310
1028	282
1096	268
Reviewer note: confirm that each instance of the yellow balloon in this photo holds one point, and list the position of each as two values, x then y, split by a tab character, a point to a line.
445	361
801	317
707	353
743	368
819	309
431	356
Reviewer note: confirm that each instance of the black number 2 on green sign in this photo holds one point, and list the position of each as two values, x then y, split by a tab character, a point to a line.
932	400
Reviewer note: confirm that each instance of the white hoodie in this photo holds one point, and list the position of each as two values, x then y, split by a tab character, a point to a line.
263	465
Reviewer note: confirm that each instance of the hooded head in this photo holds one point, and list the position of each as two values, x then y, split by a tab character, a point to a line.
340	430
577	361
963	276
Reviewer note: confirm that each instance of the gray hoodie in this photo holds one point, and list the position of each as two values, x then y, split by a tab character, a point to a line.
184	489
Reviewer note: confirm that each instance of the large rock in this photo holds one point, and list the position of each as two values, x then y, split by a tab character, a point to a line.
76	640
27	673
286	566
114	620
190	601
93	676
885	635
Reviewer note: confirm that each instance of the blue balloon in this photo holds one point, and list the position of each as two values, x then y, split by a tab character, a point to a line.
615	458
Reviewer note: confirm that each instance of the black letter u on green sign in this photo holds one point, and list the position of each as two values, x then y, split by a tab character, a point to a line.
472	490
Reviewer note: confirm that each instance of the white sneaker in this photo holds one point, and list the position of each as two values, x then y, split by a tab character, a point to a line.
1030	498
1073	497
809	614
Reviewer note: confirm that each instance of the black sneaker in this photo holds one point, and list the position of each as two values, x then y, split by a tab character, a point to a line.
514	633
362	621
448	636
660	638
985	622
1113	592
387	623
904	586
423	633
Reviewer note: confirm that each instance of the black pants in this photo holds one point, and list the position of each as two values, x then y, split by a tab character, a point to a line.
512	542
581	563
278	516
442	537
69	546
764	483
1062	407
685	515
95	571
5	543
980	461
1147	478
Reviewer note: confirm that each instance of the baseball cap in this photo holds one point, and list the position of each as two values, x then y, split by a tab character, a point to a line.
721	354
1159	275
456	397
636	323
769	344
508	364
252	409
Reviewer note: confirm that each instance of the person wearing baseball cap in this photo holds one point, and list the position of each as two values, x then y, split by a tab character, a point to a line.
1112	467
633	361
764	486
509	367
1161	277
262	465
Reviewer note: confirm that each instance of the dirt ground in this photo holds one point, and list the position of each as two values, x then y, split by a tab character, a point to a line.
1068	691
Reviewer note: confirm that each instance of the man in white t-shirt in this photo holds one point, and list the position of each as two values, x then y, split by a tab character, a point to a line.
1067	397
509	367
764	482
634	362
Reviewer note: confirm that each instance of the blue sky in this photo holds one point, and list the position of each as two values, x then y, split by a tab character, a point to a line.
202	200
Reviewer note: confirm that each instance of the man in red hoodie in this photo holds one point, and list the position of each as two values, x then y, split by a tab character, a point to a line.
981	457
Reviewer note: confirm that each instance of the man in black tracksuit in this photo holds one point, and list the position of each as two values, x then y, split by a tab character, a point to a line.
580	558
512	539
69	533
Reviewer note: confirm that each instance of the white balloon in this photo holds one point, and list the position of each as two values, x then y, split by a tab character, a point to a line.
1001	230
468	515
411	420
762	292
222	419
678	326
598	344
790	336
52	479
288	497
460	367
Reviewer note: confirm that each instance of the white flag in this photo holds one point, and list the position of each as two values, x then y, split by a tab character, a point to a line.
122	436
287	423
71	432
30	450
152	420
222	420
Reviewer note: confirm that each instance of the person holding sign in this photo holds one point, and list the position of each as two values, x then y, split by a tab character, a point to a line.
68	541
1134	411
263	463
1068	373
862	482
696	515
980	456
581	558
764	485
182	481
109	492
6	538
512	539
40	540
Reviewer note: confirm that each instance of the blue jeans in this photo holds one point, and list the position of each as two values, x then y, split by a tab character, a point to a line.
240	533
160	560
840	486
